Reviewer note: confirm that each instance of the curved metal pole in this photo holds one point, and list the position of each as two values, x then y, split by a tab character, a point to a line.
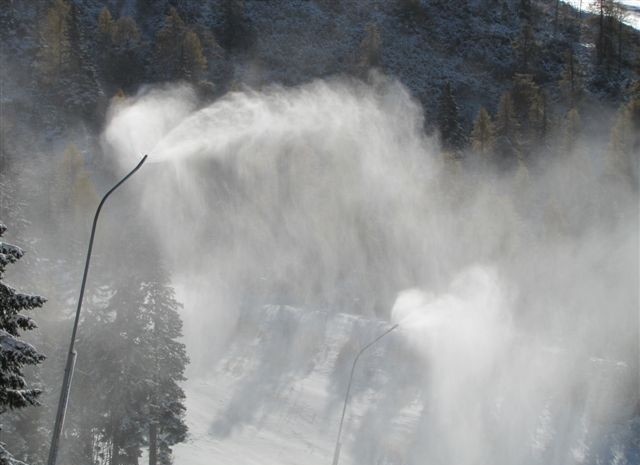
71	356
336	453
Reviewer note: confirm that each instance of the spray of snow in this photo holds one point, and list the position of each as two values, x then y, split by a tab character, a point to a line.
329	197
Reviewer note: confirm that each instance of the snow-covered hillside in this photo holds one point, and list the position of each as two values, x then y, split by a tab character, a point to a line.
632	7
275	398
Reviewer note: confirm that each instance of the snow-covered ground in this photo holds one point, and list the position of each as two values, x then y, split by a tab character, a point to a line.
275	399
632	7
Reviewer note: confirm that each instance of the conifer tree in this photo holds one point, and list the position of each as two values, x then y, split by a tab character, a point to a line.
179	53
125	64
15	353
168	50
54	52
194	62
369	51
105	23
166	421
131	348
453	138
483	134
236	32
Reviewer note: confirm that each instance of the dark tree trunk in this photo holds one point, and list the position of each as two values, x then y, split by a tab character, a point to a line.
153	444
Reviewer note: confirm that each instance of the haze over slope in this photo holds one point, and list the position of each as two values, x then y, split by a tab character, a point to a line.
328	197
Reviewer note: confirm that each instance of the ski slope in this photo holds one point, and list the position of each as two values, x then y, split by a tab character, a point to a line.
275	399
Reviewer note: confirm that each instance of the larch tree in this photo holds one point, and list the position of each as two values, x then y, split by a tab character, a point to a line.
105	23
193	62
54	53
15	353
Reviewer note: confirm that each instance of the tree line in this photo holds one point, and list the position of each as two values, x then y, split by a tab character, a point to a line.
126	394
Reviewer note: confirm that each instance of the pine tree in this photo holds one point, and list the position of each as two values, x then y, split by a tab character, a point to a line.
453	137
236	33
14	352
483	134
130	348
166	422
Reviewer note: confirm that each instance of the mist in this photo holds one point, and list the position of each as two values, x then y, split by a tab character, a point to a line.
516	291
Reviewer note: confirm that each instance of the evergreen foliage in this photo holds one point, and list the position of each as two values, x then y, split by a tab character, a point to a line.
178	52
236	33
130	348
15	353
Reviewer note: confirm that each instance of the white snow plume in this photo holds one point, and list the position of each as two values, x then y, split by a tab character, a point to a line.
329	198
266	195
136	125
467	326
494	394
